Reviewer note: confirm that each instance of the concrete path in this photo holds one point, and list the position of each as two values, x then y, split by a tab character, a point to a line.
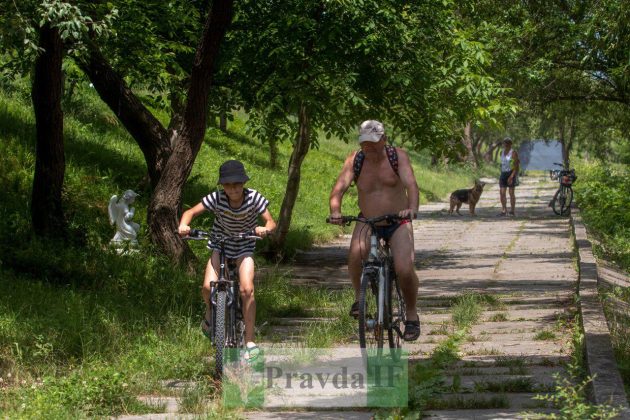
525	262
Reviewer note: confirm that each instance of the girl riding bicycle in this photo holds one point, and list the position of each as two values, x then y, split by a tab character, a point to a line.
236	211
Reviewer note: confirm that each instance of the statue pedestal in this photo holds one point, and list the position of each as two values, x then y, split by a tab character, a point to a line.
124	247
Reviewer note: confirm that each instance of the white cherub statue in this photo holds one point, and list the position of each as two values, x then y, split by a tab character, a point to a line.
121	214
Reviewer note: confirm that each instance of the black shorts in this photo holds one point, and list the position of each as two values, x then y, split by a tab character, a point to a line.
387	231
503	180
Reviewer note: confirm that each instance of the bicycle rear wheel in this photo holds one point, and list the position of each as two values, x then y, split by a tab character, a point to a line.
370	331
397	318
219	332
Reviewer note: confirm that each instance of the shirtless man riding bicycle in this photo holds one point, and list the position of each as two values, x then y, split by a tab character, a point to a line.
386	185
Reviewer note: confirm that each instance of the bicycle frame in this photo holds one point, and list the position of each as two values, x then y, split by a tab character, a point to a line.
379	259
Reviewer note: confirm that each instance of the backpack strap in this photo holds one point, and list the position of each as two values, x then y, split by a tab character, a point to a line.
359	157
357	164
392	156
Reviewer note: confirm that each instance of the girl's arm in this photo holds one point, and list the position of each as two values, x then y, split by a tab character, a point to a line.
187	217
516	164
269	226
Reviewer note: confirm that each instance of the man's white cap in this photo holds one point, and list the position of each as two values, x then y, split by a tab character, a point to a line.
371	130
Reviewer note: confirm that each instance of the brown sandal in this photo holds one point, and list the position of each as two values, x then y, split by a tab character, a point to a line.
354	310
412	330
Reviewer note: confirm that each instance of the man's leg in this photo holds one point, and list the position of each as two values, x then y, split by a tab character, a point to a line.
503	200
359	249
401	245
246	280
512	200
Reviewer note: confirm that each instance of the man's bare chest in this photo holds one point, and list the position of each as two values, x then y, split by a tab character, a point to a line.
377	176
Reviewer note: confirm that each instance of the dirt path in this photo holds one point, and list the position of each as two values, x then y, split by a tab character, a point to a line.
524	263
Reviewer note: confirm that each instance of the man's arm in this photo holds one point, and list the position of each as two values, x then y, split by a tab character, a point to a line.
341	186
405	171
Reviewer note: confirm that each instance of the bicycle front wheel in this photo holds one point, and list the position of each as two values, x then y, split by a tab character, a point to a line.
568	198
397	317
219	332
370	330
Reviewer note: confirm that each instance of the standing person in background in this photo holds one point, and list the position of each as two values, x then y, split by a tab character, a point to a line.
509	176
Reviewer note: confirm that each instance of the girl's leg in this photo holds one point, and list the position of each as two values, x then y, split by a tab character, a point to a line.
212	274
512	200
246	279
503	199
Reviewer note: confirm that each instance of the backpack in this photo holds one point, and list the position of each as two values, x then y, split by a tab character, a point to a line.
392	156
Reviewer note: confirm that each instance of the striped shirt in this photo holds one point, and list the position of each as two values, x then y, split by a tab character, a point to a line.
232	221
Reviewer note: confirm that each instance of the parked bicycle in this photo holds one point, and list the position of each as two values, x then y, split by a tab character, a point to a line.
561	201
381	305
228	327
554	174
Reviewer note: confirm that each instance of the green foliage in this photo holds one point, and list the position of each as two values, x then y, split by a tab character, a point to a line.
545	335
20	28
97	391
466	310
603	194
277	297
571	401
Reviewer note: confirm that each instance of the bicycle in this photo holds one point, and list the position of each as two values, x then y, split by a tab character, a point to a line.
228	327
381	306
561	201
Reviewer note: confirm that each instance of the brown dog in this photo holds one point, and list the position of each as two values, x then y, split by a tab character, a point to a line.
471	197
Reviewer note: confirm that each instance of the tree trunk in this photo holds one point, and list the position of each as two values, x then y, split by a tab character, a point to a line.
568	143
223	121
489	156
177	117
468	143
478	142
165	205
147	131
300	149
46	208
497	152
561	135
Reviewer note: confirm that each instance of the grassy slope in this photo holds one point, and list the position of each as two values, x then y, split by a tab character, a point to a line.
128	321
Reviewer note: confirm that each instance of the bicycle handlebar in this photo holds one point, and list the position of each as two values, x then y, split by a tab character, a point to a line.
346	220
201	235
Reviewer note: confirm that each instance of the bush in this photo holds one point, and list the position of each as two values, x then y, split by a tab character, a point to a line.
603	194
